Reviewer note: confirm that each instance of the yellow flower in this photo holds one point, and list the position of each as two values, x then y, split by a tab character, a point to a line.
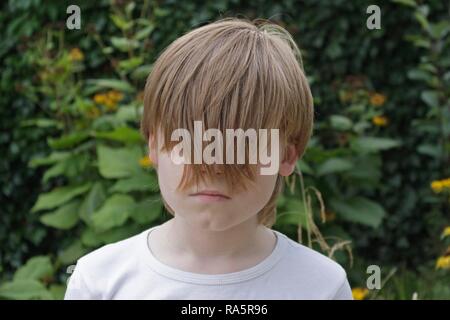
76	55
380	121
446	232
99	98
436	186
377	99
109	99
439	185
115	95
443	262
359	293
110	103
145	162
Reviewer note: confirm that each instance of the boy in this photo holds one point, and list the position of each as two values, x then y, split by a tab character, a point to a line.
219	245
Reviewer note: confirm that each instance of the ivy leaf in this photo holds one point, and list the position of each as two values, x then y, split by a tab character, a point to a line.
24	290
142	182
118	162
67	141
430	97
121	134
120	85
93	200
147	211
373	144
359	210
334	165
71	253
36	268
340	122
59	196
124	44
114	212
65	217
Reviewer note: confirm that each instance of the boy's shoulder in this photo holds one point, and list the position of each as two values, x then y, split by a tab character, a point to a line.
309	257
305	265
101	260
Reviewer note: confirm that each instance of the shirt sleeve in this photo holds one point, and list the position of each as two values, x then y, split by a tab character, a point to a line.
344	292
77	288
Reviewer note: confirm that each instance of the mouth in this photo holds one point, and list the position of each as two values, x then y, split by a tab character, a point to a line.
210	196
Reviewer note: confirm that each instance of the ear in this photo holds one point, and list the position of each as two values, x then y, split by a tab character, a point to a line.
153	150
287	165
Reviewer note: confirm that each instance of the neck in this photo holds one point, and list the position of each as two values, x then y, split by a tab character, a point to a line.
246	238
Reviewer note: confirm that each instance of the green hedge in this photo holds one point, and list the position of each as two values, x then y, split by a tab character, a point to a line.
72	99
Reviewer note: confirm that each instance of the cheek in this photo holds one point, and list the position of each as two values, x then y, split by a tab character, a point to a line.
265	187
169	176
258	195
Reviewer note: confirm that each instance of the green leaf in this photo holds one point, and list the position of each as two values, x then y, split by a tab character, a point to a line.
440	30
36	268
41	123
129	8
68	141
334	165
118	162
434	151
127	113
417	74
59	196
145	32
93	200
122	134
373	144
114	212
68	167
90	238
294	213
58	291
410	3
56	170
65	217
130	64
359	210
72	253
124	44
422	19
419	41
304	167
340	122
120	233
52	158
147	211
24	290
366	170
121	23
120	85
142	72
142	182
430	97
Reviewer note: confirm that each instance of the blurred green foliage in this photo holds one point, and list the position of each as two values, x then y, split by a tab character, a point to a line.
74	171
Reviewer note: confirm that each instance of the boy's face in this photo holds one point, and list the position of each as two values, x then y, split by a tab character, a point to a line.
211	204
